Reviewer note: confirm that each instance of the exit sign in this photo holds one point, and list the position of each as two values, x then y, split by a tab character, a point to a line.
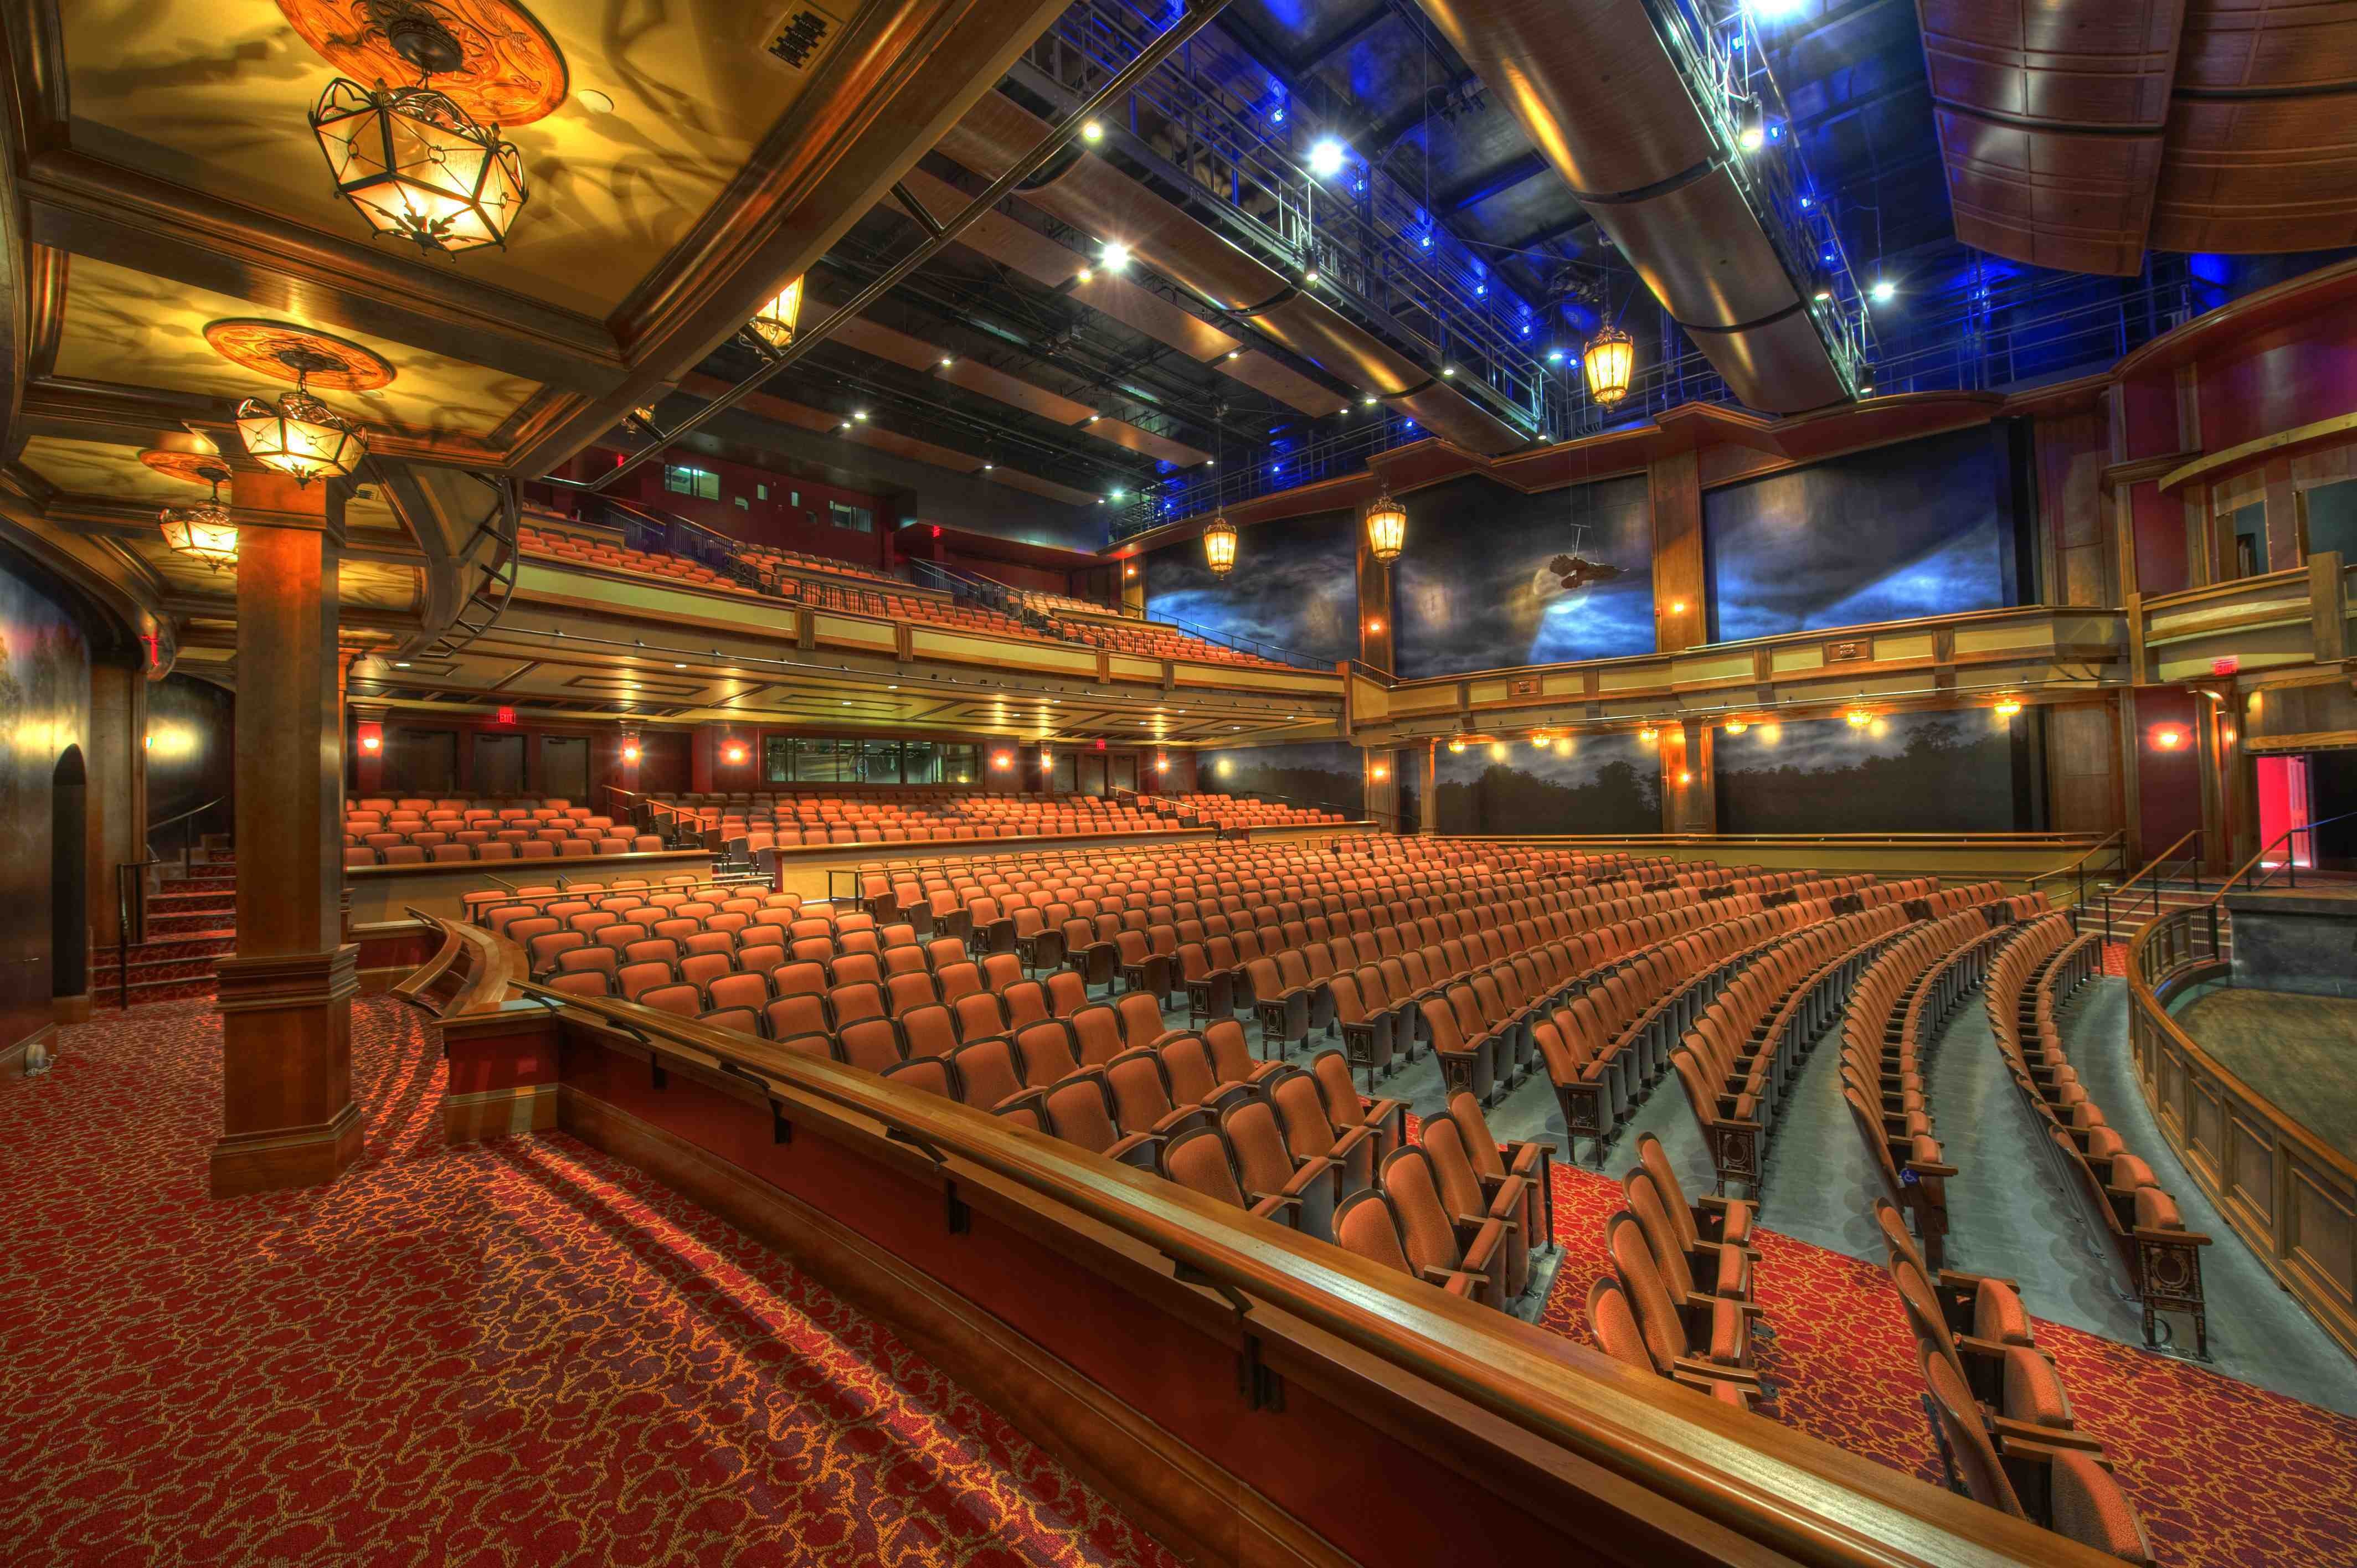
504	716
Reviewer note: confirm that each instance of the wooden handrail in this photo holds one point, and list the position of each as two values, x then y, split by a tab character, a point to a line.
1791	1494
2156	863
497	964
2115	839
2161	957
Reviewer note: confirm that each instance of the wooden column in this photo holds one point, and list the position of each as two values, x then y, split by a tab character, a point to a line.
1428	789
115	823
1132	583
1673	493
1689	792
287	1116
1376	648
1383	789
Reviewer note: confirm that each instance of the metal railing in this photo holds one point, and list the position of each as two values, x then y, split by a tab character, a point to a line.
185	821
1999	328
1011	601
2126	896
130	919
1224	123
2115	841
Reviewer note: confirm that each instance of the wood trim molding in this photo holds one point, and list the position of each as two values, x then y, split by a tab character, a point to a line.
1181	1496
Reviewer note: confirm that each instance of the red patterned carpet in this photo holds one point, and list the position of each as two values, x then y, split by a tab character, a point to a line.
514	1353
2226	1475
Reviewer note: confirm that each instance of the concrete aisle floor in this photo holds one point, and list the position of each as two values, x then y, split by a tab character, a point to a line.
2011	1212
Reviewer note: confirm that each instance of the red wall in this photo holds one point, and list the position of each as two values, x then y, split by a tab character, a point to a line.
771	522
2295	375
2169	781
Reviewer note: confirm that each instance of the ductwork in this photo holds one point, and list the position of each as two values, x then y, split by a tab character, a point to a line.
2050	119
1091	195
1600	97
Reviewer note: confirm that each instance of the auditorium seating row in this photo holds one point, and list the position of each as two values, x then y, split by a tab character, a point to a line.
1737	1063
1148	640
384	831
2001	1418
770	559
579	549
1606	1048
1681	1301
1233	812
1889	1030
748	824
2032	977
1457	1209
884	601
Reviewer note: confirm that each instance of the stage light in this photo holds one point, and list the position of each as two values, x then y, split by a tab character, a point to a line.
1092	133
1115	256
1327	159
1884	291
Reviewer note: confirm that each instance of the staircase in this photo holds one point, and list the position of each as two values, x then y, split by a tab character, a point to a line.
192	921
2136	908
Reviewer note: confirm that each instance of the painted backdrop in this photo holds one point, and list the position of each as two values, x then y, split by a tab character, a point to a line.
1329	774
1602	784
1961	772
1296	584
1488	579
1922	528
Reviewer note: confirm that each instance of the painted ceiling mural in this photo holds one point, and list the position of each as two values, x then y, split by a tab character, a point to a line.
1922	528
1492	577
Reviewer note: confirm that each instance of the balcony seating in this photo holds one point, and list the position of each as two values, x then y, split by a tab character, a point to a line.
382	830
2032	976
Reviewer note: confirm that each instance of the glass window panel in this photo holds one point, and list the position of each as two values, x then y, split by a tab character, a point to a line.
920	762
778	759
820	762
879	760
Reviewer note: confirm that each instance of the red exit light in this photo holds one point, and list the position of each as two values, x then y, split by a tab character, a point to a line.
504	716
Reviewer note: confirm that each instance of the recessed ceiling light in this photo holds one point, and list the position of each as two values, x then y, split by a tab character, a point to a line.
401	664
679	666
947	362
988	467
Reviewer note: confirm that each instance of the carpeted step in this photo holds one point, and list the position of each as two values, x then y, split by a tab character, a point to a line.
187	966
210	944
186	923
219	899
109	998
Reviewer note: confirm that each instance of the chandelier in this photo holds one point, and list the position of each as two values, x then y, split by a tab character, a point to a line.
1611	358
299	436
774	325
1386	528
203	532
1219	546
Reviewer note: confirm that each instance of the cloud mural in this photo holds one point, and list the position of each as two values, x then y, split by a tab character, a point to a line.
1295	584
1945	772
1923	528
1492	577
1596	784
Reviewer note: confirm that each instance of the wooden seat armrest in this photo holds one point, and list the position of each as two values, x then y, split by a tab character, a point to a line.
1957	1279
2193	1238
1929	1168
1277	1204
1469	1226
1704	1303
1434	1274
1695	1366
2013	1435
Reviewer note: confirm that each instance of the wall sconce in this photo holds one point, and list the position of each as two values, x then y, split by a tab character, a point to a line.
2167	737
371	743
1379	772
1002	760
1648	734
1375	627
733	753
1735	727
1162	764
2007	706
1685	776
1677	607
1857	718
1455	747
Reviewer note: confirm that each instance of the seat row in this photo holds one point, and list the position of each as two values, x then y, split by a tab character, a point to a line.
1681	1301
1606	1047
573	549
2001	1419
1888	1032
1739	1062
2035	974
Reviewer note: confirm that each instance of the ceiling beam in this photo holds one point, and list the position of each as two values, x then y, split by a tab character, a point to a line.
1495	182
109	214
1331	48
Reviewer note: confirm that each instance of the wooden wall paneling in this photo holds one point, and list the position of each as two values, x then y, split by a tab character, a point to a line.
2082	768
1674	490
2072	452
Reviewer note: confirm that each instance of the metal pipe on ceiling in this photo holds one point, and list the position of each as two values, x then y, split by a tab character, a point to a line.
1164	44
1597	90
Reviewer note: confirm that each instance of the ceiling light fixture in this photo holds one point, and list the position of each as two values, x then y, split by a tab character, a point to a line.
1327	157
1610	359
299	436
774	324
1386	527
1219	546
203	532
1093	131
1115	256
418	166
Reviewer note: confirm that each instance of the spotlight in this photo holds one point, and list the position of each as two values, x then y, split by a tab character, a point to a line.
1753	136
1884	291
1083	276
1327	157
1367	402
1309	275
1092	133
1115	256
860	414
1554	356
